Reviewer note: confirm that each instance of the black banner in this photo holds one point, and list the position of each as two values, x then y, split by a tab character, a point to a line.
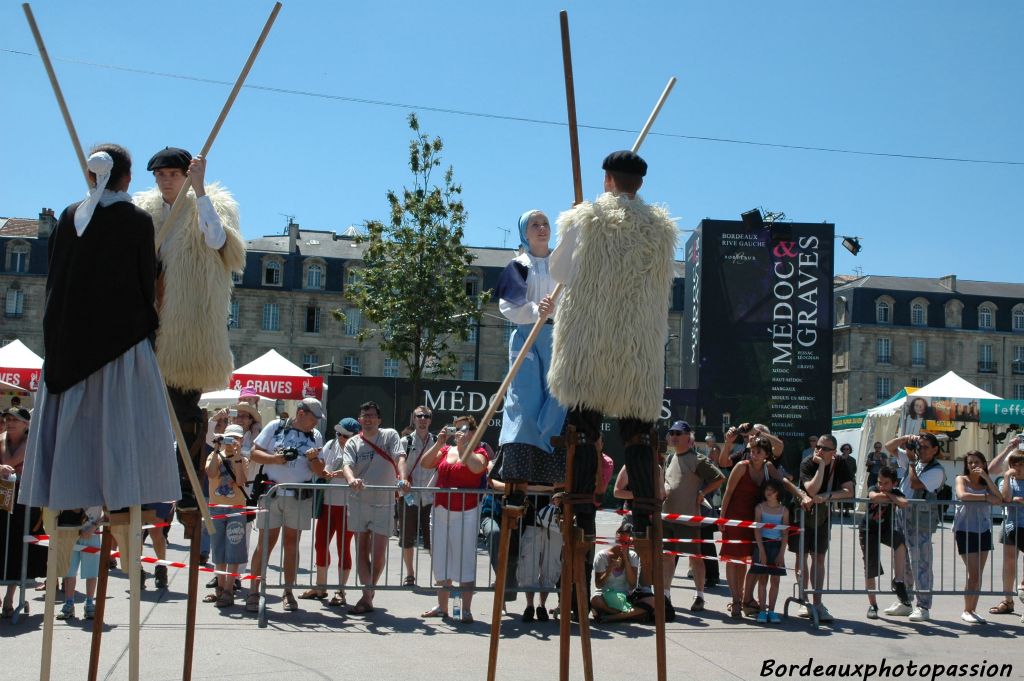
448	398
758	328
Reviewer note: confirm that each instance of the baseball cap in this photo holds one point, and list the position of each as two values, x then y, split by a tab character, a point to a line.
681	425
313	406
348	426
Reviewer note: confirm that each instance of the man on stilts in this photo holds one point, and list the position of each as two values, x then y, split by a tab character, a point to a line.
202	249
615	259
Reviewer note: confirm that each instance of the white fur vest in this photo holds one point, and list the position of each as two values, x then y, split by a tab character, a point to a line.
192	344
613	320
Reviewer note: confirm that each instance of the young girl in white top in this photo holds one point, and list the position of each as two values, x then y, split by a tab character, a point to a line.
769	558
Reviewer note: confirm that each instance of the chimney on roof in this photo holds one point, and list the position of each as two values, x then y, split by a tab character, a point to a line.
47	222
949	282
293	236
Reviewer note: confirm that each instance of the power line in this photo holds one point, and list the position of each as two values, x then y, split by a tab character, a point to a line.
523	119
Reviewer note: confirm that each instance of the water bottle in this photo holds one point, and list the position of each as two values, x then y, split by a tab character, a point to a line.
409	497
457	605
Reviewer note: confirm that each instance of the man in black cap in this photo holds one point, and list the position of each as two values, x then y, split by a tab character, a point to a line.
615	259
197	257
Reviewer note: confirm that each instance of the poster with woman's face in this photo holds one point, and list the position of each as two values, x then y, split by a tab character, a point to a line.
936	412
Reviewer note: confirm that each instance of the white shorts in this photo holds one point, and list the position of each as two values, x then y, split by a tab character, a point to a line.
371	518
290	512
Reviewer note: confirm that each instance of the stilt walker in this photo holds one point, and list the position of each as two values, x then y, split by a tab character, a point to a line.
136	371
580	486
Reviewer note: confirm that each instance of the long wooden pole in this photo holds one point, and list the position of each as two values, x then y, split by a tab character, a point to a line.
56	89
178	203
492	409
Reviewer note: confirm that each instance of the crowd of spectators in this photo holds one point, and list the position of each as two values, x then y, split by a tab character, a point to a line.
374	476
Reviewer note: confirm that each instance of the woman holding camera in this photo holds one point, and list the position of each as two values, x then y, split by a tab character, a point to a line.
225	469
455	516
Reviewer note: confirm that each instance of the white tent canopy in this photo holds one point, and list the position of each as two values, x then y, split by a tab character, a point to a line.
219	399
883	422
272	363
949	385
20	366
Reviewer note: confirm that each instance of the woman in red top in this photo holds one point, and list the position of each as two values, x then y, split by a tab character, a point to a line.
742	494
455	517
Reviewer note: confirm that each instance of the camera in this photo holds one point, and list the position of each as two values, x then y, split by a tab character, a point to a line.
290	453
228	439
912	445
464	429
232	413
744	428
1020	444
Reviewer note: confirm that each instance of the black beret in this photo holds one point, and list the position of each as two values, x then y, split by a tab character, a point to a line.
170	157
625	162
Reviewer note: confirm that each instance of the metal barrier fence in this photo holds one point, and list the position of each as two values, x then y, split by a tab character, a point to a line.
22	582
462	533
921	535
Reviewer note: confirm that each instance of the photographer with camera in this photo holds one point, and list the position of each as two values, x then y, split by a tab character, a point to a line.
225	469
922	476
289	453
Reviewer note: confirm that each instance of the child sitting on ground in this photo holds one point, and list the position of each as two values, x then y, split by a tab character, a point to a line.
615	573
770	559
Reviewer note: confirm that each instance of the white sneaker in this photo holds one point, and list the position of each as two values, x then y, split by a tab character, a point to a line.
972	618
919	614
898	609
803	611
823	614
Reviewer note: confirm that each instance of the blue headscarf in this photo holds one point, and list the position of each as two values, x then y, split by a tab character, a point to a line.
524	221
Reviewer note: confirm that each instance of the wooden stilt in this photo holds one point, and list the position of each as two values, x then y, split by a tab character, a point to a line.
134	552
193	598
568	559
101	604
510	515
49	523
582	604
655	533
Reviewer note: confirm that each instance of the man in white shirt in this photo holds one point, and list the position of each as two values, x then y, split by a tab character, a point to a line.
415	518
922	476
372	458
289	453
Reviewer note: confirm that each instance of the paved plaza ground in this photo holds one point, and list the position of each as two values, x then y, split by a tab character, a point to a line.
321	642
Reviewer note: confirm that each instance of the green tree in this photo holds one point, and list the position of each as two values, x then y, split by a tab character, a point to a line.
413	286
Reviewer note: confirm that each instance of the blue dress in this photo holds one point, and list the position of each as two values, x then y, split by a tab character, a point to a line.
532	416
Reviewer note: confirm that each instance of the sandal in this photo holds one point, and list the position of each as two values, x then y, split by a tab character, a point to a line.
290	604
338	599
212	597
467	618
226	599
736	609
436	612
1004	608
252	602
313	594
410	580
361	609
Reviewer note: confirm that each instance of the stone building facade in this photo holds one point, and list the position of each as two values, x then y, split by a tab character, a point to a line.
892	332
284	300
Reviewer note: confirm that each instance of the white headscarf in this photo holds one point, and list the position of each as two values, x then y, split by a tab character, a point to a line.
100	164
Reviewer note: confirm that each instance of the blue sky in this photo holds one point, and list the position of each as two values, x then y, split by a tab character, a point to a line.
919	78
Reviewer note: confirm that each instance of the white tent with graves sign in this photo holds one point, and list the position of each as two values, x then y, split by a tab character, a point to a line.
271	375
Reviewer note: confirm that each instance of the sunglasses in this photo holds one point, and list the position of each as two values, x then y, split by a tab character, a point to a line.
423	416
677	432
824	448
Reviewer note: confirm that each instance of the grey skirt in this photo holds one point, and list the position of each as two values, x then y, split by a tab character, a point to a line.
105	441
